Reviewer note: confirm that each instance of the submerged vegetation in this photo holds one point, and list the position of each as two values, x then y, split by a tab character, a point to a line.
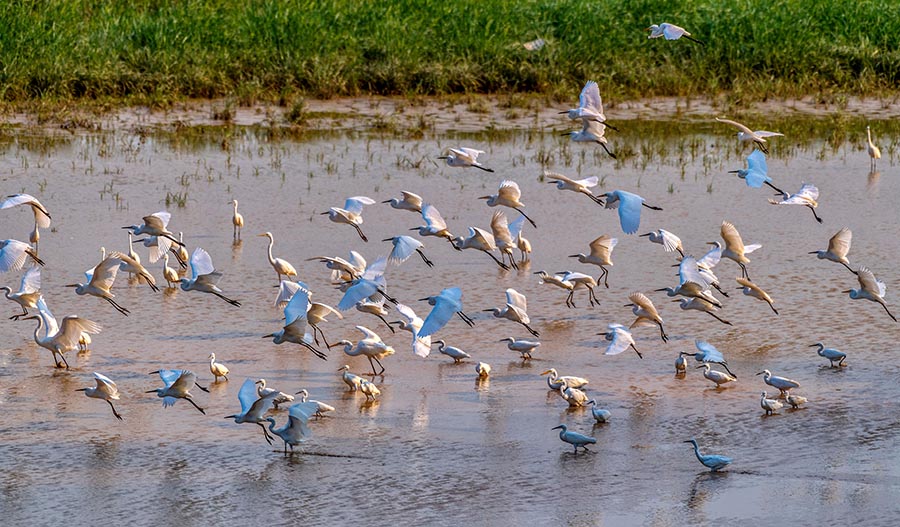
155	52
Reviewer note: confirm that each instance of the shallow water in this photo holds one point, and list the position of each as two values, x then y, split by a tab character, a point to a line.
439	447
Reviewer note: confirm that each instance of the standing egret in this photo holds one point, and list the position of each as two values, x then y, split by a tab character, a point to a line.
102	280
407	201
296	430
351	214
448	302
281	266
375	307
751	289
481	240
13	255
60	339
669	241
350	379
771	406
435	225
557	280
41	216
581	186
830	353
573	438
838	247
204	276
575	397
591	132
508	195
29	292
708	353
619	340
483	370
523	244
711	461
629	206
465	158
295	321
670	31
516	309
370	345
717	377
404	247
237	221
590	105
746	134
217	368
369	389
279	397
806	196
523	346
734	247
506	245
874	152
84	341
680	364
795	400
253	407
180	251
169	273
156	224
870	288
451	351
105	389
601	415
370	283
757	172
783	384
555	381
177	386
646	313
699	304
413	323
321	407
600	255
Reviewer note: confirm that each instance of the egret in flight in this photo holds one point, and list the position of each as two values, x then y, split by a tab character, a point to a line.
29	292
646	313
446	304
582	186
806	196
281	266
253	407
669	241
370	345
874	151
296	430
629	206
591	132
751	289
406	201
670	31
465	158
516	309
619	340
237	221
506	245
771	406
59	339
295	322
757	172
351	214
508	195
41	216
746	134
156	224
105	389
177	386
481	240
13	255
204	277
600	255
708	353
515	230
557	280
711	461
590	106
870	288
838	247
435	225
734	247
413	323
830	353
574	438
404	247
699	304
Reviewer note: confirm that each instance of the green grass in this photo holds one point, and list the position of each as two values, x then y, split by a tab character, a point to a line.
154	52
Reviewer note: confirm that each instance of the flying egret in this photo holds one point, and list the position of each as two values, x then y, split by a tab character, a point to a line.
279	397
670	31
601	415
580	281
134	267
351	214
523	346
590	106
757	172
177	386
693	282
281	266
522	243
600	255
321	407
481	240
711	461
483	370
557	280
516	309
591	132
669	241
217	368
59	339
465	158
806	196
253	407
555	381
838	247
706	263
156	224
376	308
411	322
370	345
105	389
830	353
350	379
646	313
506	245
404	247
407	201
169	273
295	321
874	152
574	438
180	251
316	313
680	364
795	400
343	270
619	340
771	406
717	377
575	397
783	384
41	216
204	276
448	302
629	206
734	247
296	430
369	389
508	195
870	288
371	282
451	351
13	255
708	353
434	225
699	304
746	134
29	292
237	221
751	289
102	280
581	186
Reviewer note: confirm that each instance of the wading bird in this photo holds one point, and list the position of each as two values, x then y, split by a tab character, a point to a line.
169	273
481	240
321	408
281	266
795	400
465	158
670	31
279	397
870	288
557	280
178	384
590	106
600	255
830	353
581	186
591	132
105	389
523	346
370	345
41	216
669	241
699	304
102	280
619	340
369	389
708	353
838	247
717	377
806	196
746	134
555	381
351	214
601	415
783	384
350	379
369	284
156	224
757	172
217	368
376	308
734	247
751	289
451	351
253	407
506	245
434	225
204	277
407	201
646	313
446	304
680	364
29	292
629	206
60	339
711	461
483	370
574	438
771	406
575	397
694	282
237	221
516	309
295	431
404	247
515	230
508	195
411	322
295	321
343	270
13	255
134	267
874	152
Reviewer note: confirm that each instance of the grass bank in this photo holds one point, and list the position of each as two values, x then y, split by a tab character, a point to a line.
155	52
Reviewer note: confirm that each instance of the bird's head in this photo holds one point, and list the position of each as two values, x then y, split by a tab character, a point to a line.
692	441
551	370
269	336
558	427
642	235
764	372
84	390
268	234
340	343
817	345
345	367
303	392
388	240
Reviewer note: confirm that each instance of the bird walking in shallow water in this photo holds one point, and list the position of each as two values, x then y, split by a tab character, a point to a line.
870	288
370	345
874	151
63	338
601	415
573	396
783	384
296	430
555	381
574	438
711	461
105	389
451	351
830	353
253	407
523	346
350	379
217	368
237	221
771	406
717	377
670	32
795	400
281	266
483	370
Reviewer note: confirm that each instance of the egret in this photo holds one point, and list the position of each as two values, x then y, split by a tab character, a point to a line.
783	384
369	389
874	152
558	281
711	461
771	406
102	280
516	309
746	134
481	240
105	389
434	225
217	368
177	386
504	238
522	243
351	214
699	304
180	251
41	216
343	270
29	291
734	247
757	172
316	314
170	274
279	397
407	201
156	224
375	307
669	241
134	267
370	283
646	313
795	400
281	266
582	281
483	370
448	302
629	206
508	195
574	438
619	340
84	341
295	321
555	381
693	282
830	353
670	31
575	397
680	364
708	353
591	132
413	323
321	407
838	247
806	196
582	186
350	379
465	158
590	105
601	415
523	346
13	255
600	255
404	247
237	221
451	351
60	339
706	264
253	407
717	377
295	431
204	276
751	289
370	345
870	288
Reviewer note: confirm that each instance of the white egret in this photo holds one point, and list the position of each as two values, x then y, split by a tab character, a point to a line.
699	304
13	255
321	407
413	323
351	214
523	244
451	351
574	438
870	288
370	345
838	247
580	281
404	247
368	284
253	407
555	381
601	415
376	308
295	321
178	384
281	266
693	282
734	247
506	245
669	241
350	379
204	276
369	389
707	262
590	106
646	313
830	353
557	280
156	224
237	221
343	270
296	430
629	206
84	341
316	314
711	461
806	196
41	216
60	339
783	384
105	389
169	273
757	172
29	292
448	302
874	151
516	309
600	255
708	353
619	340
434	225
575	397
134	267
795	400
279	397
717	377
746	134
751	289
102	280
481	240
591	132
217	368
523	346
407	201
680	364
465	158
670	31
771	406
180	251
582	186
483	370
508	195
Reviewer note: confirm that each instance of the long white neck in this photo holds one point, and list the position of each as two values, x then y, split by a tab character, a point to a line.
271	243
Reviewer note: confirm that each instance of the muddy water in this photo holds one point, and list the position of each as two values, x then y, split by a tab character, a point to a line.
439	447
